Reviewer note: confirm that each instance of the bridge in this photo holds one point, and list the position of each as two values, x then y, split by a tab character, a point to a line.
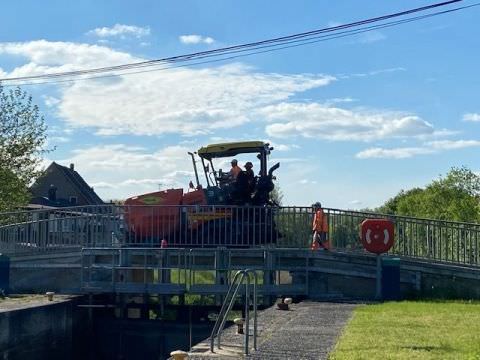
179	250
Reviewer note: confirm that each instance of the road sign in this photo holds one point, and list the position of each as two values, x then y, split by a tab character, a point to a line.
377	235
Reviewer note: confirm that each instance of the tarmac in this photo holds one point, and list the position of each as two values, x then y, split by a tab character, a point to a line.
308	330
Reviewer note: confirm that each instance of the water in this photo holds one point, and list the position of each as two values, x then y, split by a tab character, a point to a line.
111	338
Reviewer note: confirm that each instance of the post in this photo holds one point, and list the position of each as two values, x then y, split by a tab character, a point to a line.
4	274
165	277
220	273
247	309
255	310
378	292
268	275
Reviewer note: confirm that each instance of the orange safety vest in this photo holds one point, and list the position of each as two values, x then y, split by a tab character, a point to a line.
320	221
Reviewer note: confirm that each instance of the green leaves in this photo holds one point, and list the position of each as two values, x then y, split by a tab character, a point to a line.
22	142
455	197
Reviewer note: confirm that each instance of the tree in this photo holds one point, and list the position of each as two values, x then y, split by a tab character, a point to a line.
22	142
455	197
277	195
391	206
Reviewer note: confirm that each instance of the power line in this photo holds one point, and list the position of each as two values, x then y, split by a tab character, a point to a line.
296	43
248	49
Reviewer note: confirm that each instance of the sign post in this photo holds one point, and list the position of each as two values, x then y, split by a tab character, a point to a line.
378	237
378	287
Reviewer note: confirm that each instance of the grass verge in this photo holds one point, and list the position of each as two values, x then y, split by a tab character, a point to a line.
412	330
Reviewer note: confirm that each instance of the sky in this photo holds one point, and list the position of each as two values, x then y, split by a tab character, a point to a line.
352	120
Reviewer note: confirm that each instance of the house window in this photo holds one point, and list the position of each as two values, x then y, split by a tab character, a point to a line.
73	200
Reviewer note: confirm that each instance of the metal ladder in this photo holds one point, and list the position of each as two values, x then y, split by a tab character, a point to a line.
237	281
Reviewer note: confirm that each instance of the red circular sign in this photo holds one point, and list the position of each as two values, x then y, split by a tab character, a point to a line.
377	235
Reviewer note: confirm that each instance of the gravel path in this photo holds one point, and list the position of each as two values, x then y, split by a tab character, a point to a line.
309	330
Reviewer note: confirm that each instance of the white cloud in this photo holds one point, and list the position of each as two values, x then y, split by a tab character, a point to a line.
307	181
50	101
374	72
395	153
371	37
102	185
45	57
408	152
120	30
196	39
474	117
118	170
283	147
341	100
441	133
332	123
185	101
453	144
59	139
199	101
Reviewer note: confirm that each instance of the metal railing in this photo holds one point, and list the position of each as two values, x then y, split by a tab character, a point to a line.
67	229
227	305
134	270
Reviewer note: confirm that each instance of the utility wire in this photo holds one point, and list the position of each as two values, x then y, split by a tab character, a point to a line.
247	49
296	43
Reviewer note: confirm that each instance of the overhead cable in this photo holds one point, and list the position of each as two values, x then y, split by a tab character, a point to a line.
248	49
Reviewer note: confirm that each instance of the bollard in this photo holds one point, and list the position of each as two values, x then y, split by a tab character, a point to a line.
4	274
50	295
283	305
239	322
179	355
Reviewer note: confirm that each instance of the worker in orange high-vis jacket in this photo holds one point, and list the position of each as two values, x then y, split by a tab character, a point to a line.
319	228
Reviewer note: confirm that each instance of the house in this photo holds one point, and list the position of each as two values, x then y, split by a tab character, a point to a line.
62	186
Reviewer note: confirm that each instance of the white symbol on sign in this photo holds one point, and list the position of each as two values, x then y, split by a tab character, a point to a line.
386	236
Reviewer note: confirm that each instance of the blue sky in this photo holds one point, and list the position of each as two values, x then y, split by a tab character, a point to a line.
353	120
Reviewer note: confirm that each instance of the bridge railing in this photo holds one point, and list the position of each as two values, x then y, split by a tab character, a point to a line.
64	229
59	229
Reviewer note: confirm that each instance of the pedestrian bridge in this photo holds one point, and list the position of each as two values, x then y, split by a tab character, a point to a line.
119	249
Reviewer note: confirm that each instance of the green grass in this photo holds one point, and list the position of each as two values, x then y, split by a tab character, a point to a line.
412	330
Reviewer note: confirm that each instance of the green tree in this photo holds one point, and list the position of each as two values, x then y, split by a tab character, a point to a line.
455	197
22	142
391	206
277	195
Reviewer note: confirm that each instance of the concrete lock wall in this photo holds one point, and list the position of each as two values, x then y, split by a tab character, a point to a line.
40	280
347	274
37	332
357	279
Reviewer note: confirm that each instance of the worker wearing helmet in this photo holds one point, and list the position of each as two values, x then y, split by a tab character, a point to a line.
235	170
319	228
250	176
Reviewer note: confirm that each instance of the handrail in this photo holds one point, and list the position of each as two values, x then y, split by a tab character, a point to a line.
225	309
209	226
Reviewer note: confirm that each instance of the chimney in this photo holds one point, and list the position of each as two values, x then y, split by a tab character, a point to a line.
52	193
72	167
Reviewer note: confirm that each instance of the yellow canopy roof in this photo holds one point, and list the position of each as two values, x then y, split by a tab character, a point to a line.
231	149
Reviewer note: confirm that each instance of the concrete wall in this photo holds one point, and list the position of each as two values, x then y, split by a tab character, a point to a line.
355	276
351	275
60	273
37	332
33	280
